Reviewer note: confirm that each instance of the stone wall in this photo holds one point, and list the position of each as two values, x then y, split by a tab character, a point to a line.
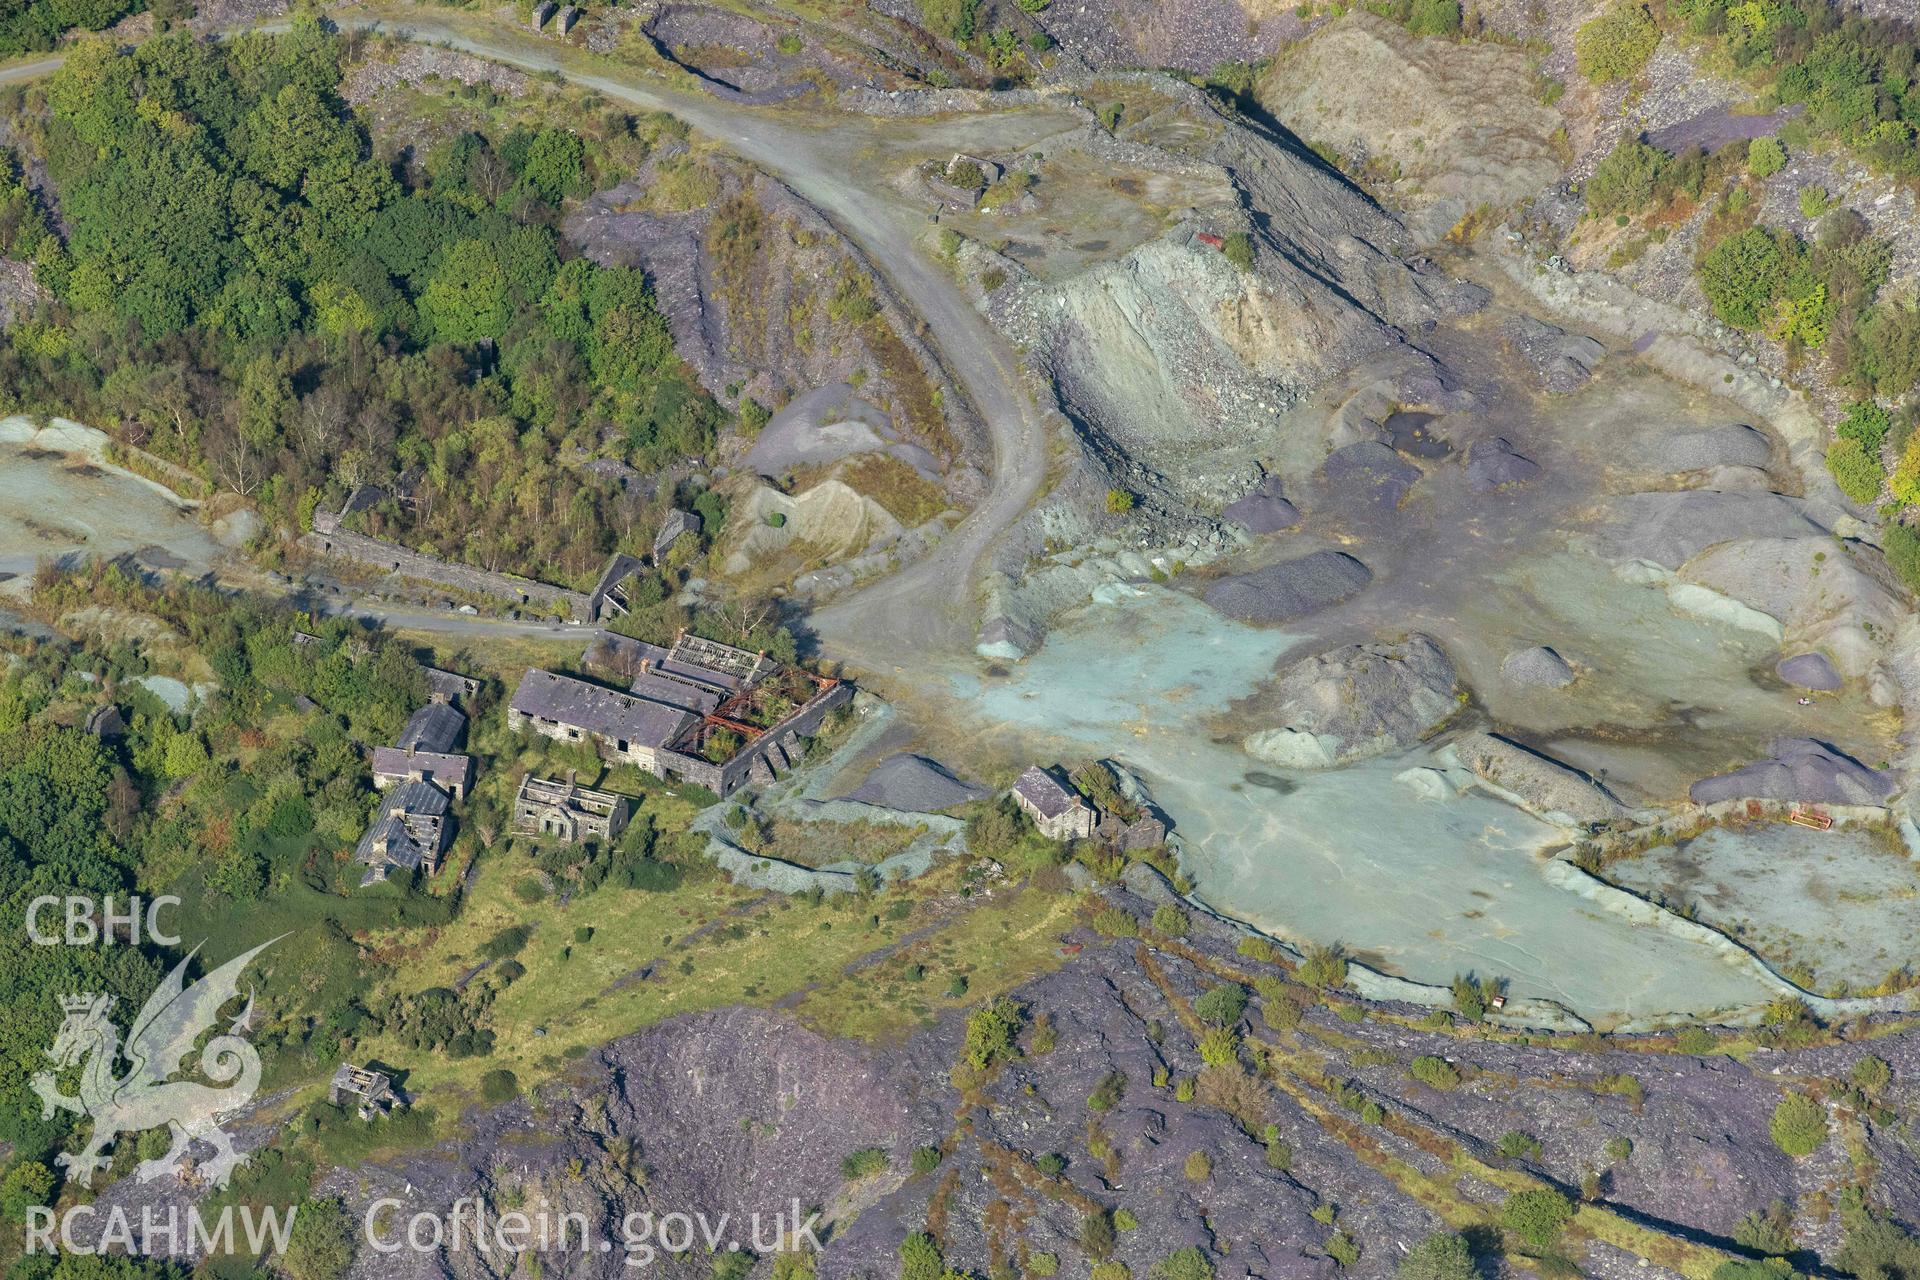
393	559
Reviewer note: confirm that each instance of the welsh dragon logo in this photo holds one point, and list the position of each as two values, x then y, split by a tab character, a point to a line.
163	1036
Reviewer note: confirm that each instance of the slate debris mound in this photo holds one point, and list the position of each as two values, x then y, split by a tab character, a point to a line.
1798	770
1359	700
1562	361
1539	667
1263	510
1494	464
1671	528
1370	472
916	784
1731	446
1809	671
1556	790
1290	589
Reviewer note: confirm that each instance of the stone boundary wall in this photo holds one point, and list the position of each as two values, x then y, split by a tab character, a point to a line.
396	560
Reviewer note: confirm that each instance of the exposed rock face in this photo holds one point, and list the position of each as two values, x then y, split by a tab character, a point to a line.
733	322
1562	361
1264	510
1809	671
1539	666
1802	770
1494	464
1544	784
914	783
1455	119
1290	589
1360	700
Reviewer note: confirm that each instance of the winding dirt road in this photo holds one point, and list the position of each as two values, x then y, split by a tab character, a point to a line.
930	606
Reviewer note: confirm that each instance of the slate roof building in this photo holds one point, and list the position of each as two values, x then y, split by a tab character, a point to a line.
451	772
409	833
449	686
678	522
1057	810
438	726
622	726
701	712
610	598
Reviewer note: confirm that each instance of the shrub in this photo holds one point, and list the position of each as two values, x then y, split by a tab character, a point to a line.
1769	1232
1866	422
1857	472
1441	1256
1053	1164
1119	501
920	1258
1324	968
1112	922
1434	17
1618	1148
1871	1074
1537	1217
1199	1166
1169	921
1742	275
1616	44
1220	1047
1435	1071
926	1159
1123	1220
1696	1040
1765	157
1042	1264
1238	248
320	1242
1516	1145
1799	1125
1222	1005
967	175
990	1034
499	1085
1626	180
507	942
1096	1234
1106	1095
789	44
1756	1269
1814	201
1183	1264
865	1161
1254	947
1372	1112
1902	548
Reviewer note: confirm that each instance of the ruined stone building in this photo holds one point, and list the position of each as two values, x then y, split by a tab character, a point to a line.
699	712
1057	810
568	811
409	833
